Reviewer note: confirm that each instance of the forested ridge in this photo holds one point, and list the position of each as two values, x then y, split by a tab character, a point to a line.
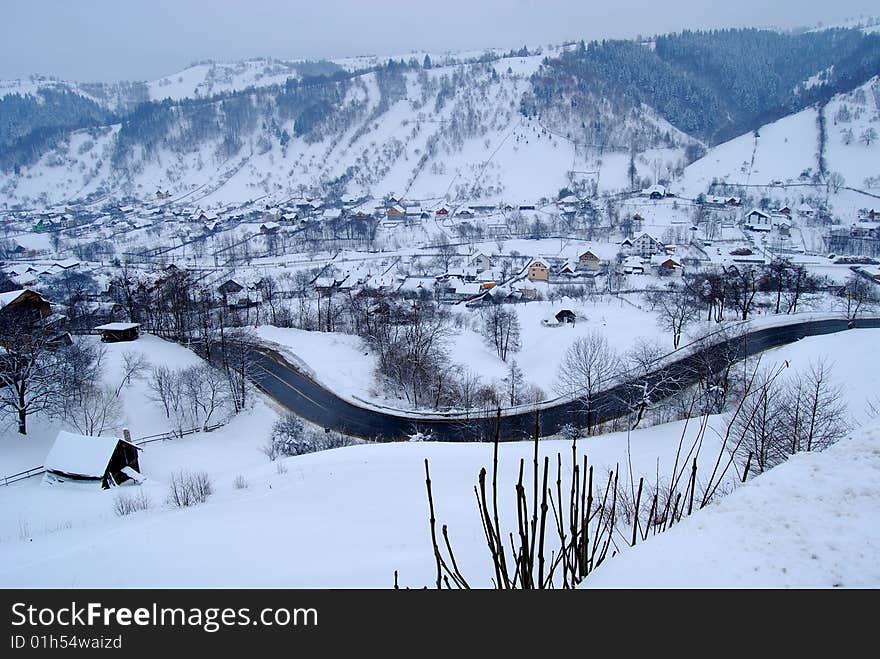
712	85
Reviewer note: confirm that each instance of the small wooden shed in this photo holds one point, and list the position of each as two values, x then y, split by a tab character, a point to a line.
80	457
113	332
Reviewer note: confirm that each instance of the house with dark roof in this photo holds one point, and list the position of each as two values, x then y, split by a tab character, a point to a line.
108	460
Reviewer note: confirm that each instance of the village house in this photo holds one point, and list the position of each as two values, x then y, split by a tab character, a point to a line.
229	286
481	262
116	332
560	318
757	220
806	211
538	270
646	246
588	261
567	269
632	265
108	460
655	192
669	268
23	308
785	210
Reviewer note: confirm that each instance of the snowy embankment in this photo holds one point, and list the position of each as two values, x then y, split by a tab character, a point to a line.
349	517
811	522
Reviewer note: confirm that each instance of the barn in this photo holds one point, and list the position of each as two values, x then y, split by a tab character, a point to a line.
113	332
83	458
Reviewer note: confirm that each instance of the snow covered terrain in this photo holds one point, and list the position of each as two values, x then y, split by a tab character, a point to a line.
810	522
369	218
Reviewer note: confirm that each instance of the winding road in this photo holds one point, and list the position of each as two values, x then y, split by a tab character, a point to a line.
297	392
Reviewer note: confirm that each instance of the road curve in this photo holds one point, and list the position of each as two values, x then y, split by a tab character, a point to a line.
300	394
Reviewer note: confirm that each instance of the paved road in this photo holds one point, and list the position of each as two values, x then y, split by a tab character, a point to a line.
297	392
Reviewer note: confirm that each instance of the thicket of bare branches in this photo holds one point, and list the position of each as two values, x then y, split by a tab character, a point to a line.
290	436
783	416
570	520
127	503
192	396
189	488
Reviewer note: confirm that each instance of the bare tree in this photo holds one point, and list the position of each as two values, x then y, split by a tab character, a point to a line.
858	295
589	365
675	307
759	425
164	388
501	330
467	385
744	282
778	418
93	410
36	374
646	385
133	366
514	384
206	391
815	413
237	361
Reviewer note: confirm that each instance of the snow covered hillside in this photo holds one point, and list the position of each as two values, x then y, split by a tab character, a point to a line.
787	151
349	517
452	132
808	523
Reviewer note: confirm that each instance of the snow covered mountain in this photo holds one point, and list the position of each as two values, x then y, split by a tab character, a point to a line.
489	126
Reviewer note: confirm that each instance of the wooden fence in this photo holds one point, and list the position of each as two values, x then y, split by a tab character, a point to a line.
140	441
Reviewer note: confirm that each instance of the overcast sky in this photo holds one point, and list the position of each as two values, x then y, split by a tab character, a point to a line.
92	40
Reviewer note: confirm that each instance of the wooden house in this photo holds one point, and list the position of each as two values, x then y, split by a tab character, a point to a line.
116	332
23	308
588	261
107	460
758	220
538	271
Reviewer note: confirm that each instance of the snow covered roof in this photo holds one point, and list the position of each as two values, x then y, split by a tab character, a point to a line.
80	455
654	189
117	327
10	297
603	251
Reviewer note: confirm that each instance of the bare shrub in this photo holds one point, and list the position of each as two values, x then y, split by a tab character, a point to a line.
127	503
291	437
189	488
240	483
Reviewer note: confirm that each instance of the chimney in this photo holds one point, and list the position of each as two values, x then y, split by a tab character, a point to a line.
126	435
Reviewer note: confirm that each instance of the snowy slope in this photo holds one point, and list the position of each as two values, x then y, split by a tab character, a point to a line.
784	150
350	517
809	523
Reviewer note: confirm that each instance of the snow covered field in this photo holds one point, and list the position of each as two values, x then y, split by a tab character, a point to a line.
346	366
351	516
